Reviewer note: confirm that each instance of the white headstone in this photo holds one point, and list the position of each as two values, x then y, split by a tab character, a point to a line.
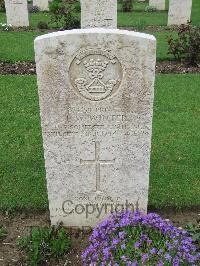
98	14
159	4
43	5
17	13
179	12
96	89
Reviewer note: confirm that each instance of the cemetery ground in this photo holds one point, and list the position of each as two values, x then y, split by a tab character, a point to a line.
137	18
174	178
175	159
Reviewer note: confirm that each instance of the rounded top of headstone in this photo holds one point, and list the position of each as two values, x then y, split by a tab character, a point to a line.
95	31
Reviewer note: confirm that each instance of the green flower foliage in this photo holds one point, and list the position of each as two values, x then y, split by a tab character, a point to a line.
194	231
43	243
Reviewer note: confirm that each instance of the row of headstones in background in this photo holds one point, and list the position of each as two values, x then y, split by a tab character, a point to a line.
98	14
43	5
179	10
99	17
96	90
158	4
17	11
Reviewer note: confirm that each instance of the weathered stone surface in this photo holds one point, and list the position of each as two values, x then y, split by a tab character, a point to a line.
179	12
17	13
98	14
96	104
42	4
159	4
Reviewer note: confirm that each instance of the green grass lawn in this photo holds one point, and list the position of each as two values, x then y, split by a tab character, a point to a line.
124	19
134	19
175	163
22	166
18	46
138	16
196	12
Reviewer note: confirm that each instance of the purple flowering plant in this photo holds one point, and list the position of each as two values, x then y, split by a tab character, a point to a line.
134	239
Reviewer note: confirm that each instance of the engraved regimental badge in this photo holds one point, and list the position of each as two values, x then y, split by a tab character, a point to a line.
95	73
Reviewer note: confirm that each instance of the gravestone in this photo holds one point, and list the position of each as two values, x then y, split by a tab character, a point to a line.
17	13
43	5
179	12
158	4
98	14
96	90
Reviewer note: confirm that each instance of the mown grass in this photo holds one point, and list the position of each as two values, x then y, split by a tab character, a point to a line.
22	176
139	16
196	12
18	46
175	162
134	18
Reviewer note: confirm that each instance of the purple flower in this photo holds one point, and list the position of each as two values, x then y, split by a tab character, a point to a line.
149	241
153	251
175	242
160	263
144	257
124	258
137	245
115	241
106	253
122	235
132	263
133	233
168	257
123	246
191	258
144	237
176	261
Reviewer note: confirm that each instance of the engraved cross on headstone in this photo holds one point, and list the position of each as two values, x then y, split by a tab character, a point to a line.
97	162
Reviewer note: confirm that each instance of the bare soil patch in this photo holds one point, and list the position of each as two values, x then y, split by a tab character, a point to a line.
20	223
174	67
164	67
18	68
148	29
